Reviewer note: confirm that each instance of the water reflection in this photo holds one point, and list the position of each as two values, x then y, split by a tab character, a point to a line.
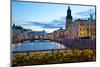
37	45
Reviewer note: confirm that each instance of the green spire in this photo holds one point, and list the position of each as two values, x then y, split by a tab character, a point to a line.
91	17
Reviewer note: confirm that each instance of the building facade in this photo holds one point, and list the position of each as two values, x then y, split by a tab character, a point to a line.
78	29
85	29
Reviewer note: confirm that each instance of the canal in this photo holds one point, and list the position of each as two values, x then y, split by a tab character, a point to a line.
37	45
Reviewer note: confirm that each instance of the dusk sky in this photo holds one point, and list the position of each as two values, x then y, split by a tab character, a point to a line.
49	17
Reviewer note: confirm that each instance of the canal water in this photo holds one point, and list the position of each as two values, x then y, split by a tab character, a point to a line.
37	45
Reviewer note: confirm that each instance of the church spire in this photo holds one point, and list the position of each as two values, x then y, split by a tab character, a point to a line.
91	17
68	18
69	13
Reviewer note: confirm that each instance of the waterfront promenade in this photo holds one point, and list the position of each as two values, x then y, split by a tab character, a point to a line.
78	44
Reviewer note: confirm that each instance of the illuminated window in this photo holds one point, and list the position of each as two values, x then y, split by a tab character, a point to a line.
84	33
93	29
90	29
80	29
83	28
80	34
87	33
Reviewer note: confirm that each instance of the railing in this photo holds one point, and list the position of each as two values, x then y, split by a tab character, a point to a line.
49	50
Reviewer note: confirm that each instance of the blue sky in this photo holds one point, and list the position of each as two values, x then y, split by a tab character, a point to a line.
49	17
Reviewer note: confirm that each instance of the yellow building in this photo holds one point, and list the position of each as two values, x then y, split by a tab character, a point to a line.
85	28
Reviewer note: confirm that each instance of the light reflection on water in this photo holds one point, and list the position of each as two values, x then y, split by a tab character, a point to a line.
37	45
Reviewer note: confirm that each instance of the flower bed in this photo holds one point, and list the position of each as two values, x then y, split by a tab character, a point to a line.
65	56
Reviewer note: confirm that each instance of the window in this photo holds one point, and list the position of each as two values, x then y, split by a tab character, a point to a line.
93	29
84	33
84	28
87	29
80	34
90	29
80	29
81	24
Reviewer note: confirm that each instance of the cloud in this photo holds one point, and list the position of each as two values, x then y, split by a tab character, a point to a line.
38	28
54	24
58	23
86	13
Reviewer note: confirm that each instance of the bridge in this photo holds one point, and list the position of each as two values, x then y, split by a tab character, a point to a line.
32	39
